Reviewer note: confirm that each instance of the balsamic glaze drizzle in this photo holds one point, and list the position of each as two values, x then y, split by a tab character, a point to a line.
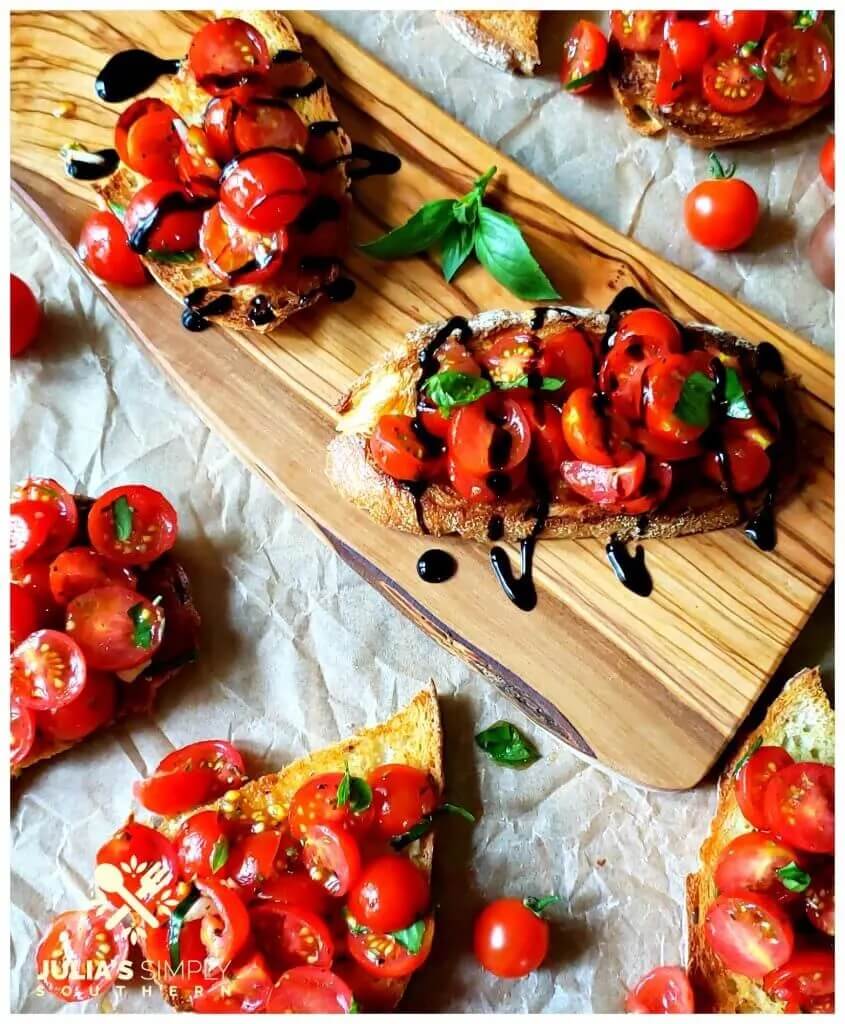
320	210
521	590
91	170
195	315
130	72
436	566
260	311
629	569
171	203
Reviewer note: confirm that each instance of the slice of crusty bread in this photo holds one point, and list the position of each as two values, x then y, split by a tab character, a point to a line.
633	77
413	736
390	387
505	39
293	290
801	720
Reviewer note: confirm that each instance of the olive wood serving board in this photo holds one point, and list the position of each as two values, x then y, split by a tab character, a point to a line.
653	688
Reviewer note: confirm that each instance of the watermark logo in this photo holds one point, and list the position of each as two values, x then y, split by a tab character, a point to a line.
147	881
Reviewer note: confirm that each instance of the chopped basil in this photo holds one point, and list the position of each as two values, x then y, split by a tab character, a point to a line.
694	404
411	937
577	83
506	745
793	878
537	904
122	517
142	623
219	854
755	746
354	791
546	383
450	388
162	256
757	70
748	48
805	19
424	825
174	926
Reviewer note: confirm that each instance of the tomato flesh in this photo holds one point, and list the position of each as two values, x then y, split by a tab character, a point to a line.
264	192
567	355
30	523
245	989
605	485
317	802
116	628
752	779
491	435
809	975
729	84
64	527
228	53
310	990
199	839
48	670
585	429
77	570
641	31
22	727
585	54
402	796
225	927
662	990
331	857
261	125
191	776
799	806
750	933
135	845
751	862
397	449
385	957
820	898
253	860
93	708
76	940
798	65
238	255
132	525
290	936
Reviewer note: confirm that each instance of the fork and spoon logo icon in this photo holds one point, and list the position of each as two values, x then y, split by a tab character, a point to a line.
110	879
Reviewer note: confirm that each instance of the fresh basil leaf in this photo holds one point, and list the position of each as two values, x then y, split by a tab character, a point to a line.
757	70
343	787
219	854
546	383
577	83
693	406
354	791
538	904
738	408
503	251
411	937
118	209
748	47
174	926
755	746
507	746
455	246
142	626
121	513
451	387
423	826
417	234
793	878
461	812
161	256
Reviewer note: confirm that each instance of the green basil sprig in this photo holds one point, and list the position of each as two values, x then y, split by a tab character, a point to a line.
755	746
460	226
142	626
507	745
793	878
354	791
174	926
411	937
450	388
545	384
694	404
219	854
424	825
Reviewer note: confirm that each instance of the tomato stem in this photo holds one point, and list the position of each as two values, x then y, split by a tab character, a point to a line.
718	170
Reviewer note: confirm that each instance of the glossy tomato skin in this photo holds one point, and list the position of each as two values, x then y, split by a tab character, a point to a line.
33	578
65	525
30	523
509	354
24	617
750	933
93	708
22	727
799	806
290	936
734	28
317	801
752	779
510	940
189	972
568	355
585	53
750	862
748	463
798	65
146	845
819	899
485	488
229	250
83	934
258	125
402	796
390	894
153	525
670	85
606	485
227	53
24	314
729	84
662	990
585	430
296	888
547	443
721	213
827	159
48	670
398	451
226	928
310	990
491	434
689	43
253	859
190	776
196	841
264	191
332	857
104	249
145	139
77	570
245	989
116	628
664	384
178	217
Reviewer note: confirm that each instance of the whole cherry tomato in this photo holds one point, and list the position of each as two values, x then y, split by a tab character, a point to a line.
721	213
510	940
735	28
390	894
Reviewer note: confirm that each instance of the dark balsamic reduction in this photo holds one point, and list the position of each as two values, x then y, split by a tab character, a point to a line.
540	315
521	590
171	203
195	315
287	56
376	161
301	92
629	569
320	210
260	311
128	73
340	290
319	129
416	488
89	170
436	566
760	528
495	528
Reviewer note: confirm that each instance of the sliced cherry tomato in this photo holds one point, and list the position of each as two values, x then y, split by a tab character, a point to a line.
510	355
398	451
30	523
290	936
510	940
200	841
799	68
584	56
664	384
104	249
384	956
176	216
721	213
810	974
33	578
547	440
140	852
263	125
146	139
191	776
670	85
317	801
662	990
244	989
372	994
734	28
310	990
819	900
665	449
454	355
225	927
657	332
132	525
238	255
827	159
568	355
748	465
434	423
48	670
331	857
51	493
390	894
93	708
689	43
196	165
638	30
655	490
80	957
228	53
24	617
218	123
253	860
22	720
116	628
486	488
587	432
751	862
264	191
752	779
296	888
190	972
402	796
491	434
24	316
606	485
799	806
729	83
79	569
750	933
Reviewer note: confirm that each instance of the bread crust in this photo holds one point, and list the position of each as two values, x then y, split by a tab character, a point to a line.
505	39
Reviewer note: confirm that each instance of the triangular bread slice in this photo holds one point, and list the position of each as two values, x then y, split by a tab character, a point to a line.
505	39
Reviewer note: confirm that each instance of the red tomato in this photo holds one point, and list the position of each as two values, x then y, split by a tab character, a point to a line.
196	165
116	628
434	423
48	670
491	434
752	779
49	492
799	68
509	355
77	940
641	336
176	214
584	56
93	708
809	975
372	994
199	841
218	123
454	355
606	485
190	776
510	940
238	255
402	796
689	43
331	857
290	936
389	895
79	569
655	490
585	429
384	957
569	355
662	990
721	213
664	384
33	578
30	523
397	450
750	933
24	316
670	85
145	139
147	847
826	161
244	989
132	525
310	990
22	725
225	927
638	30
734	28
799	806
546	431
253	860
190	970
820	898
748	465
228	53
104	249
23	614
654	330
296	888
316	801
486	488
260	125
729	84
264	191
751	863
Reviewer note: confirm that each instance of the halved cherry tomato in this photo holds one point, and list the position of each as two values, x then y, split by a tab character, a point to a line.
259	125
296	888
819	899
670	85
141	849
606	485
331	856
33	578
402	796
390	894
228	53
748	465
510	355
253	860
664	383
49	492
218	123
145	139
80	957
729	83
689	43
384	956
827	159
372	994
238	255
196	165
191	776
22	721
94	707
809	975
310	990
24	316
317	801
799	68
225	927
547	441
116	628
433	423
24	617
752	779
584	56
454	355
638	30
721	213
398	451
734	28
190	971
243	989
290	936
799	806
175	213
199	841
79	569
30	523
510	940
485	488
104	249
264	191
655	490
665	448
132	525
751	862
662	990
48	670
567	354
641	336
491	434
750	933
586	430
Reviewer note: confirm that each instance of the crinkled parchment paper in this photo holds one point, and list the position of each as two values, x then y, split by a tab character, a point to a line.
297	651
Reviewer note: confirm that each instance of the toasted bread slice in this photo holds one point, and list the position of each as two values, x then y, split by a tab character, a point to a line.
801	720
505	39
413	736
294	289
633	78
390	387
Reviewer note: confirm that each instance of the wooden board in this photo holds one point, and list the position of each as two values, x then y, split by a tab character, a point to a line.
652	688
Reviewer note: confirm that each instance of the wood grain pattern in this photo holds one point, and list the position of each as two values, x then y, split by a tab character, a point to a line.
653	688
